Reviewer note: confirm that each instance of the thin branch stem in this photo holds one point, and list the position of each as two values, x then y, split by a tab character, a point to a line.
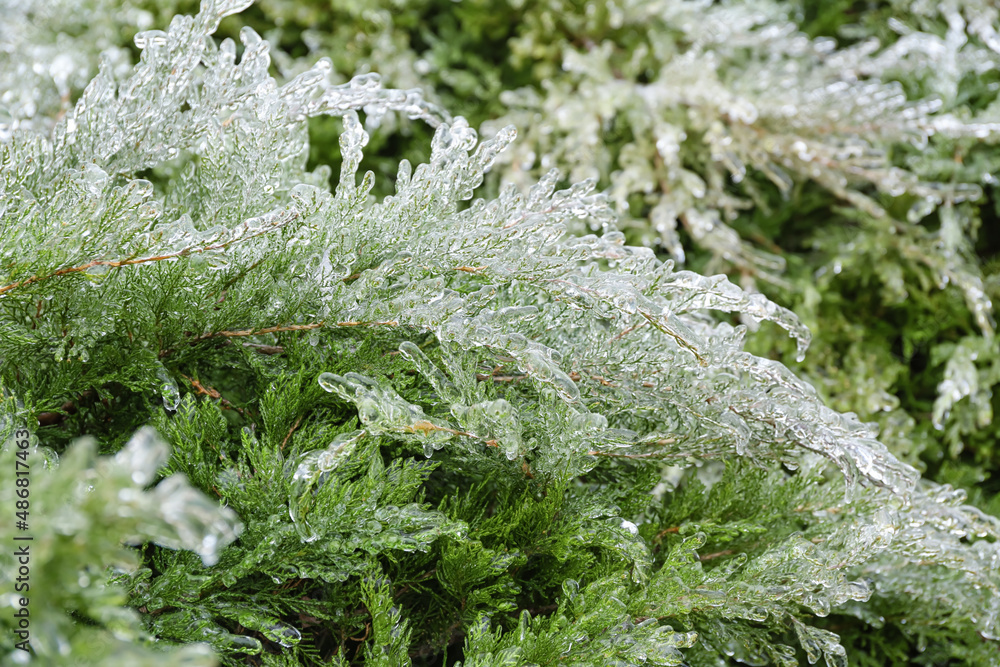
212	393
292	430
131	261
276	329
257	332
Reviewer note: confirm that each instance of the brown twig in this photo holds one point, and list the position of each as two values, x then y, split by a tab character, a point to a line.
666	531
425	428
275	329
500	378
212	393
628	331
576	377
265	349
387	323
368	627
659	442
257	332
292	430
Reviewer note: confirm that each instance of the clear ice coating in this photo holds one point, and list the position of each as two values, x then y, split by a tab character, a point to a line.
382	410
819	643
444	387
274	629
173	513
619	638
305	472
964	379
143	455
113	493
169	391
495	422
693	291
638	328
317	462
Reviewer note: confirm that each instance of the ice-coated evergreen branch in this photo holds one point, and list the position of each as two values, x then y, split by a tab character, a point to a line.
457	433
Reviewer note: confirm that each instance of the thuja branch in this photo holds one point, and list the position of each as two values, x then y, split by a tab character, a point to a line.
238	234
276	329
649	317
257	332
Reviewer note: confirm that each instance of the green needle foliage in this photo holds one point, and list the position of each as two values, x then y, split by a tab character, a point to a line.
275	423
823	153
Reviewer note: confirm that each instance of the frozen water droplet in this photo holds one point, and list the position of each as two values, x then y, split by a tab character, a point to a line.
168	389
442	385
571	588
50	459
921	209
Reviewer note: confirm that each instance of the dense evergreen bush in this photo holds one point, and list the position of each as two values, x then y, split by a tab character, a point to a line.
271	422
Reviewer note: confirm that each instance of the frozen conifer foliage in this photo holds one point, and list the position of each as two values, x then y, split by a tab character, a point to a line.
811	169
275	423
